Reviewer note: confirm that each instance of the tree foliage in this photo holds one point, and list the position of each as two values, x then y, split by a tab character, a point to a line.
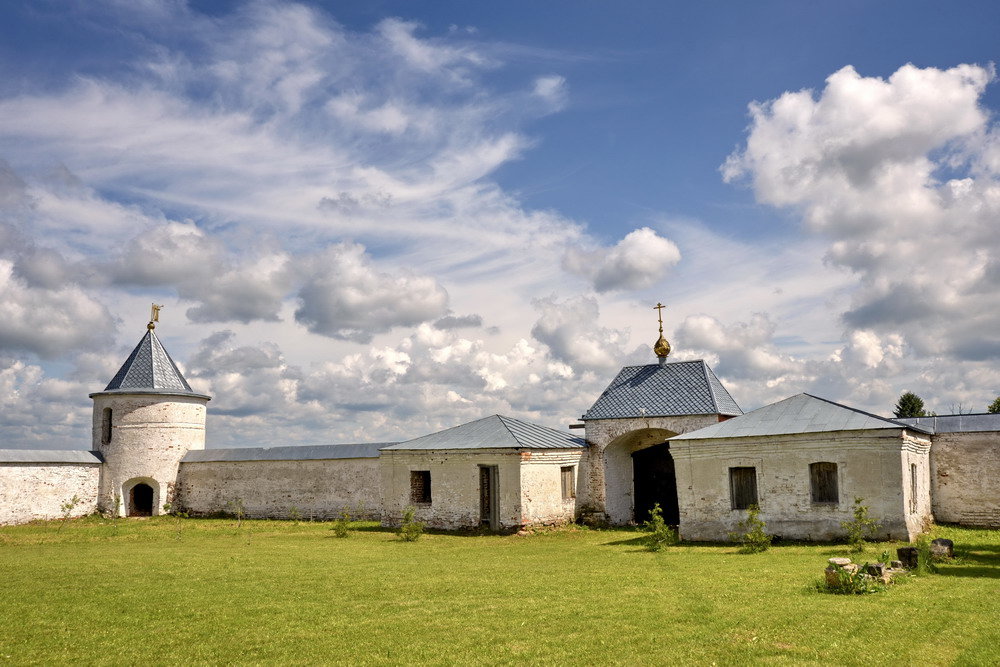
910	405
994	407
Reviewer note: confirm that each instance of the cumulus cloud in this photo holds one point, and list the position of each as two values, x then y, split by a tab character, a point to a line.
635	262
571	331
899	175
459	322
344	296
49	322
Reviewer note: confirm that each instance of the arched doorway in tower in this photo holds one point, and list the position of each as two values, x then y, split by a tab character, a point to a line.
655	483
638	472
140	500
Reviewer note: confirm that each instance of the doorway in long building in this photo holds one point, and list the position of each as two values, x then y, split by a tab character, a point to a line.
489	515
655	481
140	500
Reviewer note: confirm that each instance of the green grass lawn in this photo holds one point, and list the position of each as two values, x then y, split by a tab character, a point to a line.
275	591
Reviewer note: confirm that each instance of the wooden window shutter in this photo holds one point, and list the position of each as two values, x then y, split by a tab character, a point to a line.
823	482
743	487
568	487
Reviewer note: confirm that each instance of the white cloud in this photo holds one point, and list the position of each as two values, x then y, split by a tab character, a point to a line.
344	296
635	262
49	322
896	173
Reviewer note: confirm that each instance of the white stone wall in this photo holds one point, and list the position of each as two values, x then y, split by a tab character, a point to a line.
542	499
965	473
320	489
454	486
31	491
150	434
873	465
612	442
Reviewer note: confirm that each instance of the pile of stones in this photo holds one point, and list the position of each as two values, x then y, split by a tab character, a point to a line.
884	572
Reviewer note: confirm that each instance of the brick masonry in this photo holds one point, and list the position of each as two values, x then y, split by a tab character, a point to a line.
30	491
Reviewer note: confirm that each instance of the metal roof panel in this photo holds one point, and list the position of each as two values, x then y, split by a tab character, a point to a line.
654	390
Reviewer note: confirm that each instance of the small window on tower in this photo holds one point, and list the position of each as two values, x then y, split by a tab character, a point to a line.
106	426
420	487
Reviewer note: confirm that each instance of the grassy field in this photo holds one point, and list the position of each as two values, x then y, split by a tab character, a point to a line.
274	591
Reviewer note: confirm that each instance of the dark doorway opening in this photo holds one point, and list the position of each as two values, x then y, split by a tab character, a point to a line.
489	516
655	481
140	500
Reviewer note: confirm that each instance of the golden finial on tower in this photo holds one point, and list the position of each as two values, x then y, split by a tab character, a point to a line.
154	316
661	348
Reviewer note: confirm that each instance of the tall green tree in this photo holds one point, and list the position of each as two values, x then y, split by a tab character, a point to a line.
910	405
994	407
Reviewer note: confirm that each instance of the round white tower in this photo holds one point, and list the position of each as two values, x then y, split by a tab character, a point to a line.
145	420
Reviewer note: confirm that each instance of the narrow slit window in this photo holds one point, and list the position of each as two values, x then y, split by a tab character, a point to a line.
913	488
743	487
823	482
420	487
106	426
568	482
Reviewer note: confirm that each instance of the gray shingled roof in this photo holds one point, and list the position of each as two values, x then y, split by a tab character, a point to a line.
304	453
49	456
495	432
149	369
955	423
802	413
678	388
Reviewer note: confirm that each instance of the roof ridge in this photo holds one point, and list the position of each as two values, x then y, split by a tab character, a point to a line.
503	420
711	389
451	428
863	412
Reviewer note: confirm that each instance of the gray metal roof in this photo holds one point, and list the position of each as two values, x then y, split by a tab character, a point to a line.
149	369
678	388
802	413
304	453
495	432
49	456
955	423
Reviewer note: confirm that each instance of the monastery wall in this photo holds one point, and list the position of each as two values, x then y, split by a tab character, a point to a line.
965	470
30	491
317	488
454	486
542	500
873	465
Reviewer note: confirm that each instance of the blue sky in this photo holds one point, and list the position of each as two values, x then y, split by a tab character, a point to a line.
369	220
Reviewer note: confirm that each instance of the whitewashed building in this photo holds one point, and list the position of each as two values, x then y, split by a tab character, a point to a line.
663	433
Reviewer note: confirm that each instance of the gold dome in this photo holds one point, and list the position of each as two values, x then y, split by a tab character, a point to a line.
661	348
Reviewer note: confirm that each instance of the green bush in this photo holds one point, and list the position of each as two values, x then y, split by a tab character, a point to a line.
341	525
925	559
410	530
752	535
853	583
860	527
660	534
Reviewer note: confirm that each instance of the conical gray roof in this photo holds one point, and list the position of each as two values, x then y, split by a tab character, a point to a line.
149	369
668	390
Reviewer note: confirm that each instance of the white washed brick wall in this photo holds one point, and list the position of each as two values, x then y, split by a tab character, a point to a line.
31	491
319	489
965	473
